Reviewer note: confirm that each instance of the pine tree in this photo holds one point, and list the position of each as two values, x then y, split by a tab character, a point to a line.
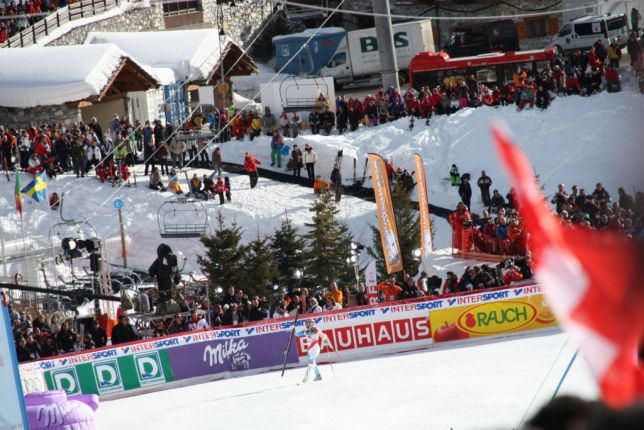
408	226
329	243
223	263
261	268
288	248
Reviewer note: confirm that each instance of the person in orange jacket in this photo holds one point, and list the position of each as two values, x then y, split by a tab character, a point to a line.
250	166
388	291
334	293
320	184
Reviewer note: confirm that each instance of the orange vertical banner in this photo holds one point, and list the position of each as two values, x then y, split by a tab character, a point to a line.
386	218
423	208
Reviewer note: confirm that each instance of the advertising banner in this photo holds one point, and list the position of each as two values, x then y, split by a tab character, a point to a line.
13	414
491	318
112	375
385	211
423	208
230	355
371	282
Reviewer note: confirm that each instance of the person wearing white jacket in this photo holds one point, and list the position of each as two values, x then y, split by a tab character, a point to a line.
93	155
310	157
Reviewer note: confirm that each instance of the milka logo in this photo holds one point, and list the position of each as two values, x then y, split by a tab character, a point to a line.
223	351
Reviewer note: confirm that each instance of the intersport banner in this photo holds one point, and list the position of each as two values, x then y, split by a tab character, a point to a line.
423	208
492	318
386	218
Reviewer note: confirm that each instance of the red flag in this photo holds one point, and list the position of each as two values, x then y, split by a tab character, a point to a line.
590	279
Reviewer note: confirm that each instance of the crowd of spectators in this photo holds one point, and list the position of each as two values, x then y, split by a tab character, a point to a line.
18	15
499	230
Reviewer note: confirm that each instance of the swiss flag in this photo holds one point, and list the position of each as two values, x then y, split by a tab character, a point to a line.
591	281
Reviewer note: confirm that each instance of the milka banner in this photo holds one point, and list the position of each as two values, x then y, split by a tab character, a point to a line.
386	218
423	208
230	355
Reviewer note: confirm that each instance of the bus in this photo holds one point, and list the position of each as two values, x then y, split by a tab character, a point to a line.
433	69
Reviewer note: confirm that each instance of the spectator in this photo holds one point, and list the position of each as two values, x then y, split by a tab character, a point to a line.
465	190
310	157
277	144
295	164
250	166
361	297
314	306
268	122
217	162
220	188
455	177
66	339
197	322
232	316
155	182
388	291
484	183
332	305
123	332
98	334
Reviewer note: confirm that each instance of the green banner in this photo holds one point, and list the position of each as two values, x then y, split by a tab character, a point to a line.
112	375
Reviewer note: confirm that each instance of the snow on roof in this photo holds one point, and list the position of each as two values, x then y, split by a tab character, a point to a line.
41	76
310	32
189	53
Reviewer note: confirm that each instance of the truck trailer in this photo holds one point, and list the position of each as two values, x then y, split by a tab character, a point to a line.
352	56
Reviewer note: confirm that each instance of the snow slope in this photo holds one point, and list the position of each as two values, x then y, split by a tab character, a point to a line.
475	385
578	140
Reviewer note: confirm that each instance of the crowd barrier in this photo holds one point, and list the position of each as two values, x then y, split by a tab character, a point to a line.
354	333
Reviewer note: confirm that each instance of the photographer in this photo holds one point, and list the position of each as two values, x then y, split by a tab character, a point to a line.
165	269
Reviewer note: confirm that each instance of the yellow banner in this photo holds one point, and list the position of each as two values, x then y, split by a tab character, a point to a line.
492	318
423	208
386	218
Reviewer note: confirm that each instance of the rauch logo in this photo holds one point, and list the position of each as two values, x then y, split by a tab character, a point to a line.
497	317
66	380
108	377
149	369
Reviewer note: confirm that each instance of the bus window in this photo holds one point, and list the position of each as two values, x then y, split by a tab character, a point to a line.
542	64
486	75
450	77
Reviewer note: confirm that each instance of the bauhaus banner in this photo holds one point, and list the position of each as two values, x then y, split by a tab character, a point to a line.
423	207
386	218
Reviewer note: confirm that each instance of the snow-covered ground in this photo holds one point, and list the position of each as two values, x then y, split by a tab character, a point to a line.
480	384
576	141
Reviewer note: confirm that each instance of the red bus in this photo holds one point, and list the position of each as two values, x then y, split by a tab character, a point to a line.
432	69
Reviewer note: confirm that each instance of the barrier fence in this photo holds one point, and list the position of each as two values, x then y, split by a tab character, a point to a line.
354	333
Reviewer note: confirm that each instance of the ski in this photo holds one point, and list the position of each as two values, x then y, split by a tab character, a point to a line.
290	340
364	173
355	161
185	172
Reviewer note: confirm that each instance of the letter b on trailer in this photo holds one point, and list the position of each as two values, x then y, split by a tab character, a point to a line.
368	44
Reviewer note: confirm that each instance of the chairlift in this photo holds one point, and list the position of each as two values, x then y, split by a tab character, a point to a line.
291	90
172	216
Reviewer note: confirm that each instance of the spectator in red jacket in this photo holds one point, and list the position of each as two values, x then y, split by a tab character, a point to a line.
250	166
459	219
220	188
512	274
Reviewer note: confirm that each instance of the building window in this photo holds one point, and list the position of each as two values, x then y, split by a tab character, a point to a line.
537	27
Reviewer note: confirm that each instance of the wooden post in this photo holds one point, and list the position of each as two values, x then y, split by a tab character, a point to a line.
123	247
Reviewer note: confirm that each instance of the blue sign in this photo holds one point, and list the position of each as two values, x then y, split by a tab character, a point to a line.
119	203
13	414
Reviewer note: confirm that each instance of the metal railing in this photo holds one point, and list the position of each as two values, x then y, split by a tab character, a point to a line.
40	29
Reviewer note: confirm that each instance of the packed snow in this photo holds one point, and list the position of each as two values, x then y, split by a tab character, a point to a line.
478	384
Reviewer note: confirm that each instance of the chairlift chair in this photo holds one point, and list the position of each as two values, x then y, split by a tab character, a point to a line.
290	89
172	215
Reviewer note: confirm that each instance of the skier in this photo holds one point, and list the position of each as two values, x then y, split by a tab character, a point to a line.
315	340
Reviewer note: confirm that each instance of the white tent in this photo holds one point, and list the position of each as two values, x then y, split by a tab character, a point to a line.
191	54
41	76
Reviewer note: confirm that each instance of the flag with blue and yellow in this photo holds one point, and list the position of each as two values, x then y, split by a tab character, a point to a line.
37	189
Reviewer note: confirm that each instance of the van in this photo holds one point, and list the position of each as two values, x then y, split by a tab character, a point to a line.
469	39
582	33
